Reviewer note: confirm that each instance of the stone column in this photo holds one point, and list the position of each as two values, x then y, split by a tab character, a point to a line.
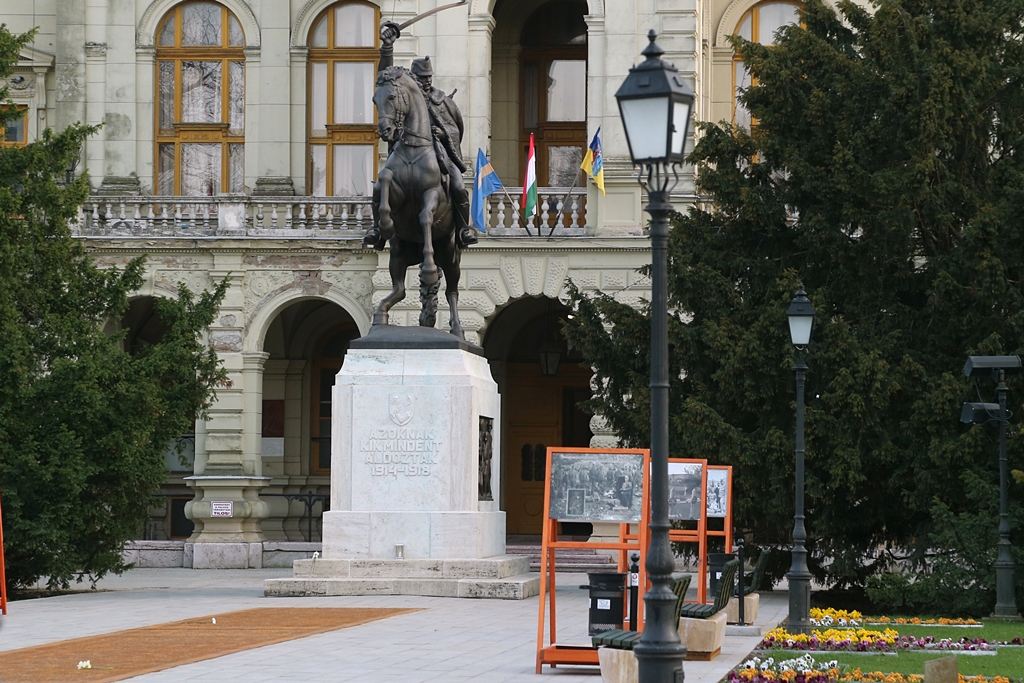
227	507
269	140
95	87
613	41
477	114
145	64
122	125
298	59
70	63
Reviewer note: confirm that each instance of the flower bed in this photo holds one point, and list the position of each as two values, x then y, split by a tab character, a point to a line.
867	641
835	617
806	670
840	617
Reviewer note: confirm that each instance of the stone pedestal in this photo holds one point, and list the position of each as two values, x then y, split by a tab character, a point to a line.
703	638
227	511
751	603
414	510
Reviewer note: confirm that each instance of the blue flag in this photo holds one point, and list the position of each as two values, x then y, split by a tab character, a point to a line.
485	183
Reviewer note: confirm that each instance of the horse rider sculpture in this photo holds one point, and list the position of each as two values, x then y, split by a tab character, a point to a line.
447	130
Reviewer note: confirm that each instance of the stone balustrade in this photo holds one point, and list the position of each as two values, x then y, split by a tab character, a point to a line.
277	217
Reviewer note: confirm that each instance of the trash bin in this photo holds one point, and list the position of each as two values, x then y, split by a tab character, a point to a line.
716	563
607	600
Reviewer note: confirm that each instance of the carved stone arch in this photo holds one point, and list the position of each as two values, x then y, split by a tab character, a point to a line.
256	329
486	7
308	14
145	35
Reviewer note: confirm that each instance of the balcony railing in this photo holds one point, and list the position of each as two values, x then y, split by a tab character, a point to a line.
337	217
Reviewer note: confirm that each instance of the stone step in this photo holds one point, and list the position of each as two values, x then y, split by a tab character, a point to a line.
574	560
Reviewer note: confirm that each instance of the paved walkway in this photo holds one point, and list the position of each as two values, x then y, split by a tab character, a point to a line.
452	639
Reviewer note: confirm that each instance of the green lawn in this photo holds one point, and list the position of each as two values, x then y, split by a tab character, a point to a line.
1008	662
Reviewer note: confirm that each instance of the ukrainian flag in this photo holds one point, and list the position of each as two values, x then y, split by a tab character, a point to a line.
593	162
485	183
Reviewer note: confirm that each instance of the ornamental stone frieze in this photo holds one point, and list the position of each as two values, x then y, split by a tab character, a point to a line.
358	285
168	280
260	285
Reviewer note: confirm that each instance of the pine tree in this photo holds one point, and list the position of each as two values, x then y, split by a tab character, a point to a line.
885	172
83	424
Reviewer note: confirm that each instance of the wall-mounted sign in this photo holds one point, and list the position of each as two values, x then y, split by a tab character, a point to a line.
221	508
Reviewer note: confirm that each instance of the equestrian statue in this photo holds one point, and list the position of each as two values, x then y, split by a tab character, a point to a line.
420	202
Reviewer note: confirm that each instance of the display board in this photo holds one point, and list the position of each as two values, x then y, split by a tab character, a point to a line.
695	487
588	485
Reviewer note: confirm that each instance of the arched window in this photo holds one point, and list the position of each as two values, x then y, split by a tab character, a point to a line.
759	25
342	124
200	104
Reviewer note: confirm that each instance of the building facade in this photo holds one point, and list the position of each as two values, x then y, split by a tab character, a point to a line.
239	142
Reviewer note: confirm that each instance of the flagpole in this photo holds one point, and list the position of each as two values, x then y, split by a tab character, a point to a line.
561	206
512	205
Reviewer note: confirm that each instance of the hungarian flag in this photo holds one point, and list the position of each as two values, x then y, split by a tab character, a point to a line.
530	182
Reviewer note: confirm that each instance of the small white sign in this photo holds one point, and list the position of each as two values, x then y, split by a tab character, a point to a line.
604	604
634	579
221	508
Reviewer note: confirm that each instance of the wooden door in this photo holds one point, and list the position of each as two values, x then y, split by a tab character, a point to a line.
540	413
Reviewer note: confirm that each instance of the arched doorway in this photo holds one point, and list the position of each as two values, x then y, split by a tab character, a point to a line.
542	382
539	86
306	345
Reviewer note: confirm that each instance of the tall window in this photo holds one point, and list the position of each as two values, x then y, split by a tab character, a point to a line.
343	54
15	132
553	90
200	106
759	25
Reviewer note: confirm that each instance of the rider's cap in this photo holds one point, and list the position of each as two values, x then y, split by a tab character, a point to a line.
421	67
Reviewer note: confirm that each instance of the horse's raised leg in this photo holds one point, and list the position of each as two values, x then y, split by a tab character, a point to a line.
450	259
399	263
428	270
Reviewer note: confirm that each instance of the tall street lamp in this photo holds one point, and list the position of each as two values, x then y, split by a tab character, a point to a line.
655	105
801	320
997	368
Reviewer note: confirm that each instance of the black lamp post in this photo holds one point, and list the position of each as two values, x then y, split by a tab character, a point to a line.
801	320
655	106
997	368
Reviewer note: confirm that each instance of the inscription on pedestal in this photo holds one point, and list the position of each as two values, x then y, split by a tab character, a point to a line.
402	451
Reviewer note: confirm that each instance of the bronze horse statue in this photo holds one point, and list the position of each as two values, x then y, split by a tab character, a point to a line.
414	210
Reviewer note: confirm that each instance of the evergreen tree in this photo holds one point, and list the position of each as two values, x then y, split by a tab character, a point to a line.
83	424
885	172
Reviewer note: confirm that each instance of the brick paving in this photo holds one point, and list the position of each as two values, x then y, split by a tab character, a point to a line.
451	640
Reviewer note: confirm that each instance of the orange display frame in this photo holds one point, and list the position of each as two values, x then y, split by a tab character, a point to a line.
701	533
549	651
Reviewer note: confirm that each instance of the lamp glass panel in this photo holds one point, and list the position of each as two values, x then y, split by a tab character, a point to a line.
680	119
646	123
800	329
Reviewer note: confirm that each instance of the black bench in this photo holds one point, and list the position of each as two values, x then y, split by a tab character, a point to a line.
725	590
621	639
752	581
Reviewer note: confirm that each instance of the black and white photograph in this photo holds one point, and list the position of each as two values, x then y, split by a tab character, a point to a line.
718	493
596	487
684	490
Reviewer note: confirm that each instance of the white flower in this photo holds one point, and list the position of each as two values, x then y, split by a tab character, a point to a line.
214	619
86	664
